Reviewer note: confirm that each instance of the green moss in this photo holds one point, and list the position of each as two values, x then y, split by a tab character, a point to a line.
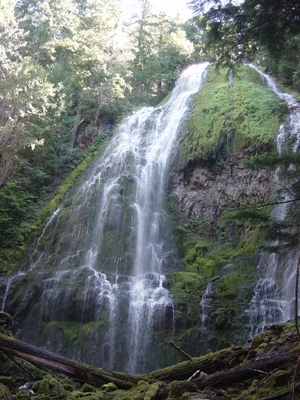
75	335
230	284
204	257
137	393
230	293
181	389
49	385
165	100
189	282
71	180
228	116
4	392
63	189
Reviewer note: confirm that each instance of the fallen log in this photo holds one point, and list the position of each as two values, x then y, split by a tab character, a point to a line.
81	372
223	368
249	370
210	363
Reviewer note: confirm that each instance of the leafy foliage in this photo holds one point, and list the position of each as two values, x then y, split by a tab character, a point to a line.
160	51
237	32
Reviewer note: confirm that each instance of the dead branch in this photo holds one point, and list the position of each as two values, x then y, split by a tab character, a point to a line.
180	351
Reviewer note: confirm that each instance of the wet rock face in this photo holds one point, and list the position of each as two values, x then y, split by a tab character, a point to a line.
201	194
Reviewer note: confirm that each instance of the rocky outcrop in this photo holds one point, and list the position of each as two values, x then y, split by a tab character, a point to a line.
220	256
202	193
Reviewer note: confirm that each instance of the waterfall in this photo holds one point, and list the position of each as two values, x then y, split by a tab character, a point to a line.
274	292
206	306
94	287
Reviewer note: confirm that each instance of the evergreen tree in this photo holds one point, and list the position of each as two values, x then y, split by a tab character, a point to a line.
251	29
25	99
160	50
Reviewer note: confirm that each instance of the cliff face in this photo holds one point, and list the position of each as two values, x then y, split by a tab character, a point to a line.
202	194
231	120
220	257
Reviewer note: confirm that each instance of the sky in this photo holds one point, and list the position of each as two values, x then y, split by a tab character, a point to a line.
173	7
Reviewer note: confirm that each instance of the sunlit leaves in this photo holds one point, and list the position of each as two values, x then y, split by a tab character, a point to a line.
160	50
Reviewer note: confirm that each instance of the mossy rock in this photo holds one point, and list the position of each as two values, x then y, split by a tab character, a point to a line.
4	392
87	388
5	320
277	379
229	115
75	335
158	390
49	386
7	381
88	396
23	394
41	397
138	392
109	387
180	388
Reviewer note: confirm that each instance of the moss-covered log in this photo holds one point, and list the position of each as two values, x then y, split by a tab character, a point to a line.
224	368
210	363
249	370
60	364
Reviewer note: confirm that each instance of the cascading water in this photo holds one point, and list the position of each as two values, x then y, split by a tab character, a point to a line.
93	288
206	305
274	293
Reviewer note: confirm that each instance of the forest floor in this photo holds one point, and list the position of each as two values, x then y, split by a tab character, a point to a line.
266	368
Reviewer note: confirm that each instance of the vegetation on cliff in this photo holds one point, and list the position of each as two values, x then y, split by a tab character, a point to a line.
255	31
229	115
233	118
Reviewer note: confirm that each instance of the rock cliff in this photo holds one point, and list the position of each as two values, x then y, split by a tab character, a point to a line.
231	120
201	194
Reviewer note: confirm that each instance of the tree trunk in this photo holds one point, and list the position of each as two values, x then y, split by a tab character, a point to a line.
209	364
74	132
60	364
